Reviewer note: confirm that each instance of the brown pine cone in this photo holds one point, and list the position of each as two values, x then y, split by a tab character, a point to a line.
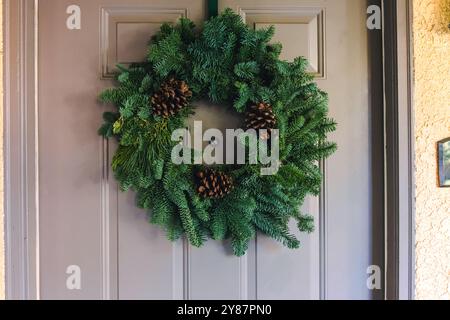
261	116
173	96
213	184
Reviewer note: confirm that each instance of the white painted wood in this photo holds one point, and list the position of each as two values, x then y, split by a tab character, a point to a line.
300	29
333	261
84	221
20	203
125	26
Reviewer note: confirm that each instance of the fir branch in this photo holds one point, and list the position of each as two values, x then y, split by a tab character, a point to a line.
231	63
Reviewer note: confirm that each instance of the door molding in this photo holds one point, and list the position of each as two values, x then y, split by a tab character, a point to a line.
20	149
399	150
21	180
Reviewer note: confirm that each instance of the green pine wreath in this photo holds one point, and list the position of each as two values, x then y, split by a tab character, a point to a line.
229	63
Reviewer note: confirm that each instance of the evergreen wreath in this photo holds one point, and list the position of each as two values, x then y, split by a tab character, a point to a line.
225	62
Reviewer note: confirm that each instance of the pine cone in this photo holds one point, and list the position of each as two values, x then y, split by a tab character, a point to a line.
213	184
171	98
261	116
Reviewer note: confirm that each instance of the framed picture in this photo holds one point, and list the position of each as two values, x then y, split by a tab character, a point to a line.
444	163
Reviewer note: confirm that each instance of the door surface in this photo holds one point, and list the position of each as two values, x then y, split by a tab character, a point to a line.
84	221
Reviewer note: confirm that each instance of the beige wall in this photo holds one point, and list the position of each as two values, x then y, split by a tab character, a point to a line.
2	251
432	117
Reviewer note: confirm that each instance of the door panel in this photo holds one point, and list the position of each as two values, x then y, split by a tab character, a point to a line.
125	27
85	221
300	29
333	36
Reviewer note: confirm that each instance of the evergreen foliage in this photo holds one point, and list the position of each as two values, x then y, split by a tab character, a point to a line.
230	63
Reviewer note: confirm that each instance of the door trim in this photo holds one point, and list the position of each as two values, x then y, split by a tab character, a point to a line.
399	152
21	179
20	150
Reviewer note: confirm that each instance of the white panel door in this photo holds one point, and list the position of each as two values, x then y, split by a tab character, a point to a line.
87	223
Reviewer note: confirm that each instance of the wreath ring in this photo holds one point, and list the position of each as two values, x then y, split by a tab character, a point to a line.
224	62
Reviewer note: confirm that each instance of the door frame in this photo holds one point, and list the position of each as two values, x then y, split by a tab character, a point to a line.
391	64
399	152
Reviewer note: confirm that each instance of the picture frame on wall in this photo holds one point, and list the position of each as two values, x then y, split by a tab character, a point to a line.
443	149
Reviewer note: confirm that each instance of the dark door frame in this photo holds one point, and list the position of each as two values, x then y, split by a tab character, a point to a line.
399	149
391	73
392	104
